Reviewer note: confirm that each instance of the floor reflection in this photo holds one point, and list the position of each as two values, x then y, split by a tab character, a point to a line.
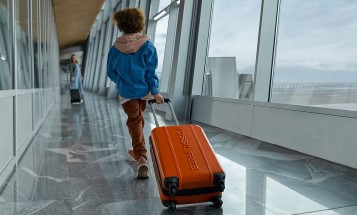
77	164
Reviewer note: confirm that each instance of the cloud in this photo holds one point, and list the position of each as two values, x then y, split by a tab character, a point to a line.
318	31
234	31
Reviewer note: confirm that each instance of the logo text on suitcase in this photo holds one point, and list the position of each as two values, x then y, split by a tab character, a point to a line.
186	148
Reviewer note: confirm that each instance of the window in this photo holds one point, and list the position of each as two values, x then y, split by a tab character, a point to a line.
162	30
232	49
107	44
5	72
160	42
315	60
35	37
163	4
43	44
24	75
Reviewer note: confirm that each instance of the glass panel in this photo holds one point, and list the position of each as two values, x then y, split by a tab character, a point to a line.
107	45
95	55
106	12
315	61
115	1
5	72
160	42
232	49
163	4
46	75
35	44
43	43
116	32
22	40
100	55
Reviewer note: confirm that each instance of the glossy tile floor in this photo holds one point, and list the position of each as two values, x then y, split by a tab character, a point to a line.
78	164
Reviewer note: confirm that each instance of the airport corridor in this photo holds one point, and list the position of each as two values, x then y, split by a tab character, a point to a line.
78	164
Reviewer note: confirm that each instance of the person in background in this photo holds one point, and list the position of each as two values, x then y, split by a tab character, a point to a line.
132	62
75	75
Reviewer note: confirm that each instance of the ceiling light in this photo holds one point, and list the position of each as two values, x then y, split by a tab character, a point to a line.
178	1
2	57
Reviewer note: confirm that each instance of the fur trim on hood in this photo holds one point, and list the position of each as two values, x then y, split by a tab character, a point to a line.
130	43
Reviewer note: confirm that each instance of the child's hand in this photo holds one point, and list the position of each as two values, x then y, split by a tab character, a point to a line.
159	99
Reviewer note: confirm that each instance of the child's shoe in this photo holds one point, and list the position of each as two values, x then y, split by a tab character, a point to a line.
131	154
143	169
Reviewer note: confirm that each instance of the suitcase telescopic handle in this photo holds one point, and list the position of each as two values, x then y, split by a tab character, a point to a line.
168	101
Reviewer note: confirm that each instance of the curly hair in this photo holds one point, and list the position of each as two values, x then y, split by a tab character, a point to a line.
130	20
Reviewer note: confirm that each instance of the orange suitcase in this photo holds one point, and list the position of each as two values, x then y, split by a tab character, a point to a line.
186	168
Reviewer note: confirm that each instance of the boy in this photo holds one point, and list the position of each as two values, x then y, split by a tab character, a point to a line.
132	62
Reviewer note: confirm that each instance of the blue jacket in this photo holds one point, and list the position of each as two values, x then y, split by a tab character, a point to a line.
134	73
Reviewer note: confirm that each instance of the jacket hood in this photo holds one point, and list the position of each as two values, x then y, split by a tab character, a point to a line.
130	43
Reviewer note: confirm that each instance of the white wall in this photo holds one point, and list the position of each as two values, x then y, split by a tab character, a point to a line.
6	131
223	113
28	113
37	108
24	118
327	134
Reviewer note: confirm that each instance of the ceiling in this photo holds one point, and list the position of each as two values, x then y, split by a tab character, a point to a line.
74	19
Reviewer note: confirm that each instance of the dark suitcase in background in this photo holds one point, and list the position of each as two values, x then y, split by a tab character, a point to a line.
75	96
186	168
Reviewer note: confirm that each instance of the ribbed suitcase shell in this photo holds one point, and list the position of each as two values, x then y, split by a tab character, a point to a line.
182	153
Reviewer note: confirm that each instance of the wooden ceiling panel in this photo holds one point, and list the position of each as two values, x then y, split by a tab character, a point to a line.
74	19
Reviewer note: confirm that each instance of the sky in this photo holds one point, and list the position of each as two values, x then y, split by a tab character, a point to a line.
319	38
234	31
319	34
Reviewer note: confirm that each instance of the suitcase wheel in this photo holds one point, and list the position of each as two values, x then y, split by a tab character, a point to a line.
221	186
172	189
217	202
171	205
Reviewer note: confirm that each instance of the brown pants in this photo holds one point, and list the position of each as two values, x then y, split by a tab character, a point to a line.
135	110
